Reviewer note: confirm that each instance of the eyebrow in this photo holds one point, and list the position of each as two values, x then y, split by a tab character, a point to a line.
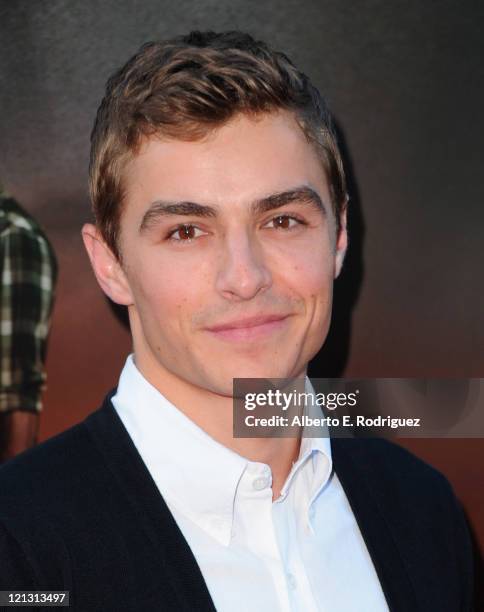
297	195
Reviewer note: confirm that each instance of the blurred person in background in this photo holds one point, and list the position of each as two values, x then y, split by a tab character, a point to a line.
28	271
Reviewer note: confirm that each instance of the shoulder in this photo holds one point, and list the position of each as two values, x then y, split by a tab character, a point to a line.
39	491
14	218
58	473
40	474
414	498
63	474
23	233
408	492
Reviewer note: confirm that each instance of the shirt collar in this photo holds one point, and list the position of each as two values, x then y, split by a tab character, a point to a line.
316	448
194	472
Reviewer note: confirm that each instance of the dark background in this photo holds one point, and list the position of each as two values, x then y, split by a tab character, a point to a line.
405	82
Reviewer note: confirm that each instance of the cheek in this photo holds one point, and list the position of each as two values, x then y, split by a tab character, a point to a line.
310	271
168	295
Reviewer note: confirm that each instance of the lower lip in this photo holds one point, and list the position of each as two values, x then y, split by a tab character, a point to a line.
250	333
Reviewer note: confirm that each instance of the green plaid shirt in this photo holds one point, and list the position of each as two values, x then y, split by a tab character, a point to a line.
28	272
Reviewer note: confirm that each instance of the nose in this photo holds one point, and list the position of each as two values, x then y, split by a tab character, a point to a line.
243	271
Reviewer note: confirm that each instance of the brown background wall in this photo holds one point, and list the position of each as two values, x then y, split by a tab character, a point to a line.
404	79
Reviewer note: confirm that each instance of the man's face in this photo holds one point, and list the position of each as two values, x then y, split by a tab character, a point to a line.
229	249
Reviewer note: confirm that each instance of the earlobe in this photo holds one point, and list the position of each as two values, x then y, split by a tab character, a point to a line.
106	267
341	243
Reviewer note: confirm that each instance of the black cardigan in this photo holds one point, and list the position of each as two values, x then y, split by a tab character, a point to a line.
81	513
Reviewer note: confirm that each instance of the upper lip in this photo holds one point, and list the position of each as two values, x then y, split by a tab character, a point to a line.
248	322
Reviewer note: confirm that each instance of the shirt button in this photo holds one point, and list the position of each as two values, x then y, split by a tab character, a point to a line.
260	483
291	581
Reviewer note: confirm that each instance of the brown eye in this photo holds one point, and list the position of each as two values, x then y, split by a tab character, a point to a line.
283	222
184	233
187	232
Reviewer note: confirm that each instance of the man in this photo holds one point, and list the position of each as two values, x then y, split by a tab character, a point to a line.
220	207
28	271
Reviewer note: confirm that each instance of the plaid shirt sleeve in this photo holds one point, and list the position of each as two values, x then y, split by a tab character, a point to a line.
28	274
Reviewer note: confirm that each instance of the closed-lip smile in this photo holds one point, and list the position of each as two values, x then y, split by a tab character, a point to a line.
249	327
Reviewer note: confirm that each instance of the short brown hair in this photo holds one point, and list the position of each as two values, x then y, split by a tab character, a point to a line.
184	88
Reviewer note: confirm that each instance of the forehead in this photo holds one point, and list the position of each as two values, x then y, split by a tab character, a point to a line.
243	160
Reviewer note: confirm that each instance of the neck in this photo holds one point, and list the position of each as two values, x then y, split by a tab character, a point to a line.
214	414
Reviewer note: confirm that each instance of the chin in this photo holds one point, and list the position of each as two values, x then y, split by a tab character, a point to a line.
224	383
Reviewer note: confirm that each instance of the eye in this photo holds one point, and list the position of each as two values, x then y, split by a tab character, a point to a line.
184	233
285	222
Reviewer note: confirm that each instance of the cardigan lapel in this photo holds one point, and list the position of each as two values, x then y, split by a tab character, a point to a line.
352	462
177	563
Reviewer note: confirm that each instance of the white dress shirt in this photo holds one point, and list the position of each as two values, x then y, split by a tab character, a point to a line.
303	552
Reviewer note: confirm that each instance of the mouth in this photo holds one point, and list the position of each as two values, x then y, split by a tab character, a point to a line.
250	328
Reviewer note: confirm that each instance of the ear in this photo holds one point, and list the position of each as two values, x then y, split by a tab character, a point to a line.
106	267
341	242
